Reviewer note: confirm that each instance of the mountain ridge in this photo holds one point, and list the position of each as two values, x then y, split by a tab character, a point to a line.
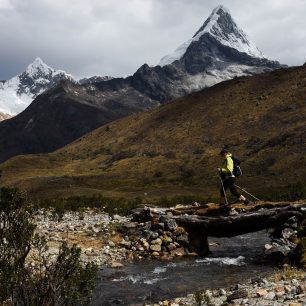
174	149
206	62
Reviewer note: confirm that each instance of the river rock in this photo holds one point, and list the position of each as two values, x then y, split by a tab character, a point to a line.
117	218
270	296
261	292
126	244
182	238
155	248
279	291
146	245
116	265
95	230
111	244
147	225
166	240
128	226
171	246
142	214
158	226
179	230
170	224
288	233
154	235
178	252
147	234
238	294
233	212
295	282
277	248
157	241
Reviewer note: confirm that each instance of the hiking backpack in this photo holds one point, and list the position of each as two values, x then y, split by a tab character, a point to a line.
237	170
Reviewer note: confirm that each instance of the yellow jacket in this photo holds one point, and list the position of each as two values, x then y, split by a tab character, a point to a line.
228	166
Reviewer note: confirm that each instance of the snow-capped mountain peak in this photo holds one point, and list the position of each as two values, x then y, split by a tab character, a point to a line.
38	67
221	26
18	92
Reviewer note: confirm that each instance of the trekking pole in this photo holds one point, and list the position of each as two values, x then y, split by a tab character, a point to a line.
226	203
247	192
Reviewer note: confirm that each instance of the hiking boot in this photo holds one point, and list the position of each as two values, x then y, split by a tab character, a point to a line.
247	202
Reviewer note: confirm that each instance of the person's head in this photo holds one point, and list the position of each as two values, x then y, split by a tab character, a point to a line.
224	152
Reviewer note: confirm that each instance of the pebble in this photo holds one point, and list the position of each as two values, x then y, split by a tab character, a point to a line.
270	296
116	265
155	248
111	244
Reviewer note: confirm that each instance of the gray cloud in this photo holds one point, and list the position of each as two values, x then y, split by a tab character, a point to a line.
114	37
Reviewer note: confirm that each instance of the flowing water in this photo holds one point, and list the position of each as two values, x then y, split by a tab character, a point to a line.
232	260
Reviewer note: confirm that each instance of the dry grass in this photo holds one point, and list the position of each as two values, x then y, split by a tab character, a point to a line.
288	273
174	149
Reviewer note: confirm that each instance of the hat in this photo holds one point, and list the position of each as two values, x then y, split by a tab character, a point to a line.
224	151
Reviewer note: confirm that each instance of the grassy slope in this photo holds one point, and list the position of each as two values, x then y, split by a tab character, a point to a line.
174	149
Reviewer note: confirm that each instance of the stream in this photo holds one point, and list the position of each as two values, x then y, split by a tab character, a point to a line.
232	260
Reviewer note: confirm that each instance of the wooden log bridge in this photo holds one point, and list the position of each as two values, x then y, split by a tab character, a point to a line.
200	227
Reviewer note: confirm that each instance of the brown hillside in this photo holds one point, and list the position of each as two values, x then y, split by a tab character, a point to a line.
174	149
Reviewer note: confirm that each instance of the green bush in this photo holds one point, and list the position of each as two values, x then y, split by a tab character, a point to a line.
28	274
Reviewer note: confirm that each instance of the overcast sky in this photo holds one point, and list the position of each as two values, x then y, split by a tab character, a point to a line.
115	37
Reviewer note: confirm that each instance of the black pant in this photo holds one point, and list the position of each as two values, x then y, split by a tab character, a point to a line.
229	183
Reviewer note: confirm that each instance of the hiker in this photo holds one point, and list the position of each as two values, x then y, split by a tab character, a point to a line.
228	178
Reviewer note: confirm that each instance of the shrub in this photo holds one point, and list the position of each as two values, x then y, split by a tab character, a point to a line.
28	274
77	203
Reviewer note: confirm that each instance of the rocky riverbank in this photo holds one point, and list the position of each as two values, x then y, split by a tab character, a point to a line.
91	230
107	240
260	292
153	233
150	232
